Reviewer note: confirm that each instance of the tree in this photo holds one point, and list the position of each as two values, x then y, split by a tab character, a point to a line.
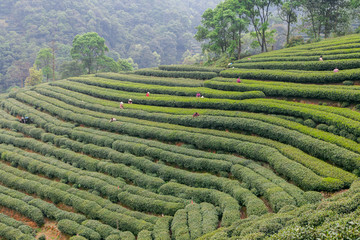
215	29
126	64
34	78
259	13
239	23
88	48
71	69
326	16
287	13
44	62
223	27
106	64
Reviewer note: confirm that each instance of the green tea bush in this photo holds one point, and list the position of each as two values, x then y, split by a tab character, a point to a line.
72	228
188	68
177	74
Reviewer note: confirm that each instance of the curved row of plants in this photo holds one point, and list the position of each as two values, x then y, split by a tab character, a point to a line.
156	99
291	58
72	97
174	91
189	68
150	80
82	178
244	124
335	218
146	164
176	74
272	155
194	221
293	75
328	65
275	90
31	183
314	52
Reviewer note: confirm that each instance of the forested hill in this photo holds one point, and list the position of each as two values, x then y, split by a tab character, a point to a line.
131	28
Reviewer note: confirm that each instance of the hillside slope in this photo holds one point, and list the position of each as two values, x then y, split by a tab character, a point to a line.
239	162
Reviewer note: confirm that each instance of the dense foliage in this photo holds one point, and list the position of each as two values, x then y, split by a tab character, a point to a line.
150	32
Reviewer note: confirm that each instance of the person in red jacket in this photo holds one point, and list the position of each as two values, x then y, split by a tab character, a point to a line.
238	80
196	114
148	94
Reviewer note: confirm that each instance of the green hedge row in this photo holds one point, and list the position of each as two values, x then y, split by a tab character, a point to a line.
179	120
276	196
20	180
293	76
25	229
349	161
73	228
299	58
229	206
11	233
162	229
204	141
88	181
255	206
201	219
317	165
23	208
65	95
328	65
179	226
154	89
149	204
151	80
177	74
191	163
189	68
194	220
314	52
86	162
203	164
327	216
48	209
107	204
144	235
295	59
160	100
210	218
101	201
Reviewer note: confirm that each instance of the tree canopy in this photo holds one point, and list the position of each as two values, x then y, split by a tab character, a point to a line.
89	49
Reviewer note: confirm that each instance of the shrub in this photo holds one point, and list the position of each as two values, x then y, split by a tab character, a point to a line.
348	83
310	123
323	127
73	228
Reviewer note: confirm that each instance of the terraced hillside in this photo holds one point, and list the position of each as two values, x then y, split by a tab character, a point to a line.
258	162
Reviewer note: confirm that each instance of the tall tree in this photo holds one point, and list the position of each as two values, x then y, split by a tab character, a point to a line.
240	23
215	29
259	13
222	28
44	62
88	48
287	13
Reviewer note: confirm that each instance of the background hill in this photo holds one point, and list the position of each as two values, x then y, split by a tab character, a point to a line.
132	28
